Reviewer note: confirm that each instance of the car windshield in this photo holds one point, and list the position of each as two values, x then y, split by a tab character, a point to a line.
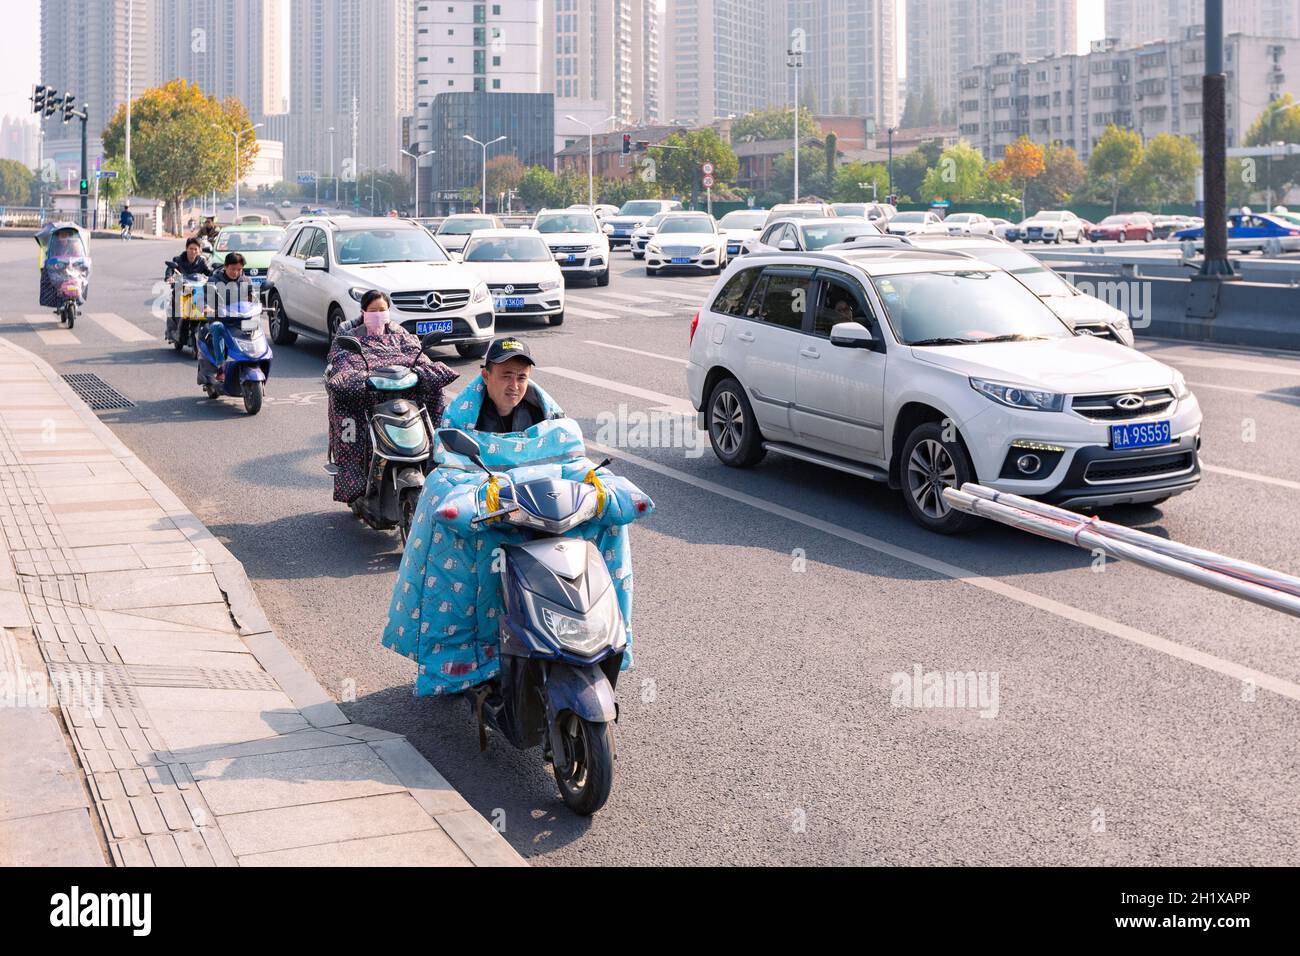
1050	216
960	217
1040	279
462	227
250	241
567	222
507	249
1114	221
365	246
639	208
967	307
805	212
819	237
686	224
742	220
653	221
910	217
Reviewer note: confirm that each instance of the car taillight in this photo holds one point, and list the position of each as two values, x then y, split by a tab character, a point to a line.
695	323
1294	232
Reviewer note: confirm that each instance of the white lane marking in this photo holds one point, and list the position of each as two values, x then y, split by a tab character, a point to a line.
620	295
58	337
1161	645
659	399
44	318
624	308
696	300
1290	399
624	348
1249	350
1251	476
119	327
570	309
1227	365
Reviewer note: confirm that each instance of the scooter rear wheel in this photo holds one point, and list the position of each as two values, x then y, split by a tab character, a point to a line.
410	500
252	396
585	772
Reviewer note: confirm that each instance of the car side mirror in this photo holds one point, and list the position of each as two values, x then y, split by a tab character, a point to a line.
348	343
315	262
460	443
788	245
851	335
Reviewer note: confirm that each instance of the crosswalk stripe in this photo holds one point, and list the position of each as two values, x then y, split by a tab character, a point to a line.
624	296
624	348
622	306
682	295
43	318
119	327
58	337
584	314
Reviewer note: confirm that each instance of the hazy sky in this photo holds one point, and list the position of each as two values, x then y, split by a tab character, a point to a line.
20	53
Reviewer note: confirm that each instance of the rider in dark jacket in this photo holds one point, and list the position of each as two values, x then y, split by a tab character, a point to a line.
191	262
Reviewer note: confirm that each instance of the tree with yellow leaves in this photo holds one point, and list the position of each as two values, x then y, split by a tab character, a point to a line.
1021	163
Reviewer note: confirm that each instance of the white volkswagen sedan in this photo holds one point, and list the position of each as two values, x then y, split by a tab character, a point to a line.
520	272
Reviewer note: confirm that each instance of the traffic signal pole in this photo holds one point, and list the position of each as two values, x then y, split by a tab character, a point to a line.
85	165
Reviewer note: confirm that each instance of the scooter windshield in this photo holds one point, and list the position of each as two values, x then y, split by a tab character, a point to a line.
556	501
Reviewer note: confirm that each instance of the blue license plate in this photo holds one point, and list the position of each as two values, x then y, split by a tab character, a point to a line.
620	232
681	260
1143	435
571	259
510	302
732	250
435	325
258	280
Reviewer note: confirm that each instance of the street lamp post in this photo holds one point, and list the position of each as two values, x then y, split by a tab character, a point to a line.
417	157
333	182
484	146
238	136
794	60
591	178
1216	263
891	163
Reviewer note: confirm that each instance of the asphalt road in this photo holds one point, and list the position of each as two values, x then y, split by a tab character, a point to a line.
774	607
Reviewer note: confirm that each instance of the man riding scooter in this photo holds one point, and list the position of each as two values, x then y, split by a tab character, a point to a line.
515	586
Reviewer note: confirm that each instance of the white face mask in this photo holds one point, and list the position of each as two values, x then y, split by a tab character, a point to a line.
375	321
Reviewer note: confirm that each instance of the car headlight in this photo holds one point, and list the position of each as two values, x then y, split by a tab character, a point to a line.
548	284
481	293
1017	396
652	248
607	228
357	291
1181	390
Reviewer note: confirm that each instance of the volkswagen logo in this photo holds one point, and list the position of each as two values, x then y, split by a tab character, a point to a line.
510	290
1129	403
433	301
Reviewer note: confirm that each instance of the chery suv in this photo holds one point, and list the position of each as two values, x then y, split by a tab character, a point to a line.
926	370
326	264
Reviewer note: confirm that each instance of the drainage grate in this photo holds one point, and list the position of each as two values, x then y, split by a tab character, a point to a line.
96	392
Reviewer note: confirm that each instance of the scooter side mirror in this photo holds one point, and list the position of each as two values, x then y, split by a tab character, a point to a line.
348	343
460	443
431	341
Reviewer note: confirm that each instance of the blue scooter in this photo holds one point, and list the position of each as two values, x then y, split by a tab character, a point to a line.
234	355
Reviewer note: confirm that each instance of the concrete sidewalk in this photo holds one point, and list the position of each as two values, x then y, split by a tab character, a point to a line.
149	716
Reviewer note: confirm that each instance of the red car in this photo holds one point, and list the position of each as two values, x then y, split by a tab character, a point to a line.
1123	227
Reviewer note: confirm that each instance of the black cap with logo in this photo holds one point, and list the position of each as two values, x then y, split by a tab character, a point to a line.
505	349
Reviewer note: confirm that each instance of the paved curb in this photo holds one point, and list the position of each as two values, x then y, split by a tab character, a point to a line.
475	837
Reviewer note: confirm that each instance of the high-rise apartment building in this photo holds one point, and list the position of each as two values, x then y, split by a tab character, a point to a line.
1135	22
850	56
716	59
227	47
1151	89
19	140
345	53
601	61
945	38
85	49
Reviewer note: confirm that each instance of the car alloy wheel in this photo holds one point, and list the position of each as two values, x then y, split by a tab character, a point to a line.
930	470
727	422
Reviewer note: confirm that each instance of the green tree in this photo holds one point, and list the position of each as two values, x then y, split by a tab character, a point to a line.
812	175
618	191
910	169
775	122
503	174
1062	175
832	153
15	182
958	176
678	170
851	177
1113	162
113	190
1167	172
538	188
1279	123
182	143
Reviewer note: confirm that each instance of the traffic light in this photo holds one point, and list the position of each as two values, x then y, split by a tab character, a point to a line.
85	186
51	103
627	143
69	105
39	96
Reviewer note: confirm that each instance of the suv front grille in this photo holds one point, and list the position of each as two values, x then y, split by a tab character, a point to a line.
1098	332
1139	469
681	251
569	249
452	299
1102	408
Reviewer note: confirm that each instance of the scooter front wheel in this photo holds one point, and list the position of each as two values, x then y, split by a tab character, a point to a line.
585	771
252	396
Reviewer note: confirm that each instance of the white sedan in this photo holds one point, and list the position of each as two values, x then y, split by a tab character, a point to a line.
689	240
911	223
969	224
520	272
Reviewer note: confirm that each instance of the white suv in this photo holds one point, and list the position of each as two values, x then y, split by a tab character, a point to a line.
927	370
577	242
326	264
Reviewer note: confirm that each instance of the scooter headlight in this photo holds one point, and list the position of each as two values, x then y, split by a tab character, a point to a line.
585	635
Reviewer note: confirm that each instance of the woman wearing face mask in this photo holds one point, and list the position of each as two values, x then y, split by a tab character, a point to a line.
383	342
